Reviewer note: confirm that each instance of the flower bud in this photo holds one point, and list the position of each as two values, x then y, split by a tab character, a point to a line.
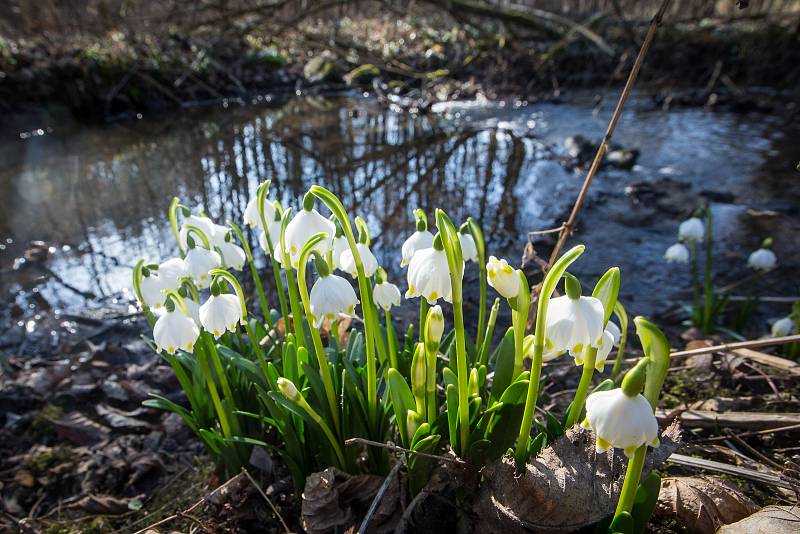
434	325
691	229
503	277
288	389
677	253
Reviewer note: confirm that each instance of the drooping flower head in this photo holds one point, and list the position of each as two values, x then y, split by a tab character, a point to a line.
201	222
305	224
419	240
691	229
763	259
232	255
171	271
783	327
385	294
252	218
677	253
152	287
503	278
469	250
347	262
221	312
574	322
175	330
429	274
199	262
331	296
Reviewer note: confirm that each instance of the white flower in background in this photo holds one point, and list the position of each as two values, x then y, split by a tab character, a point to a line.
429	276
691	230
677	253
300	229
174	331
468	249
502	277
220	313
615	332
171	271
275	237
331	296
251	216
233	256
547	355
348	263
607	343
783	327
762	259
340	245
386	295
217	237
205	225
199	261
621	421
152	287
419	240
574	324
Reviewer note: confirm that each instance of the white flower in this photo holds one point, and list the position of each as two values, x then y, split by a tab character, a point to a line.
783	327
612	328
331	296
386	295
174	331
171	271
220	313
199	261
574	324
251	216
620	421
677	253
304	225
762	259
205	224
429	276
606	344
288	389
503	277
217	237
340	244
152	287
468	249
419	240
691	230
232	255
194	310
275	237
348	263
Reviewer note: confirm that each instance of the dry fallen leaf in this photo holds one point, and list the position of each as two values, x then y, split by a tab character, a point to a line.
769	520
702	503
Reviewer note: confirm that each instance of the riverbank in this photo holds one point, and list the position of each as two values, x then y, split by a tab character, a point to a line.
744	65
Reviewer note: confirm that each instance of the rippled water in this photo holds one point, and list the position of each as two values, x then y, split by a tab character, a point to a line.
97	196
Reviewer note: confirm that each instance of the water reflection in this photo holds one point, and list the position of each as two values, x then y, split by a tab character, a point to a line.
97	196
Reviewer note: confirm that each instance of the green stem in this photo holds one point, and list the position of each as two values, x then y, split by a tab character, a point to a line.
695	284
423	314
620	312
262	298
519	319
482	303
585	383
391	339
631	483
173	221
294	299
483	357
337	448
212	390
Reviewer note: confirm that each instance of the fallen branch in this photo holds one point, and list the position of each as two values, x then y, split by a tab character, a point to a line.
746	420
396	448
751	474
733	347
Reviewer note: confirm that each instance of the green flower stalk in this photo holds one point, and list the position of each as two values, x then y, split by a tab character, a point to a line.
622	315
455	261
548	286
262	298
434	329
138	273
519	319
483	355
474	229
365	290
174	206
294	298
655	366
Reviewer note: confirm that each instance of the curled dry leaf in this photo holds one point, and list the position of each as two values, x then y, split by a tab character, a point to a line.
567	487
702	503
769	520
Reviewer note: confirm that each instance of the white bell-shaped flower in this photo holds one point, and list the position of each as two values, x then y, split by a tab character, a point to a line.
275	237
762	259
300	229
419	240
620	421
468	249
205	225
429	276
615	332
547	355
691	229
220	313
171	271
340	245
783	327
199	261
368	260
386	295
331	296
233	255
194	310
174	331
574	324
251	216
606	344
502	277
677	253
152	291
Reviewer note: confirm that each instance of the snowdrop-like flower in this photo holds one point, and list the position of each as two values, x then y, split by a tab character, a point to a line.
232	255
502	277
386	295
152	287
783	327
429	276
691	230
194	310
348	263
220	313
171	271
419	240
762	259
621	421
251	216
468	249
205	224
677	253
606	344
331	296
300	229
174	331
615	332
275	237
574	323
340	245
199	261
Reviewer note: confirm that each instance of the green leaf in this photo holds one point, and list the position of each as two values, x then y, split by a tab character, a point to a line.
504	364
402	401
607	290
656	347
536	445
516	393
622	524
645	502
451	394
